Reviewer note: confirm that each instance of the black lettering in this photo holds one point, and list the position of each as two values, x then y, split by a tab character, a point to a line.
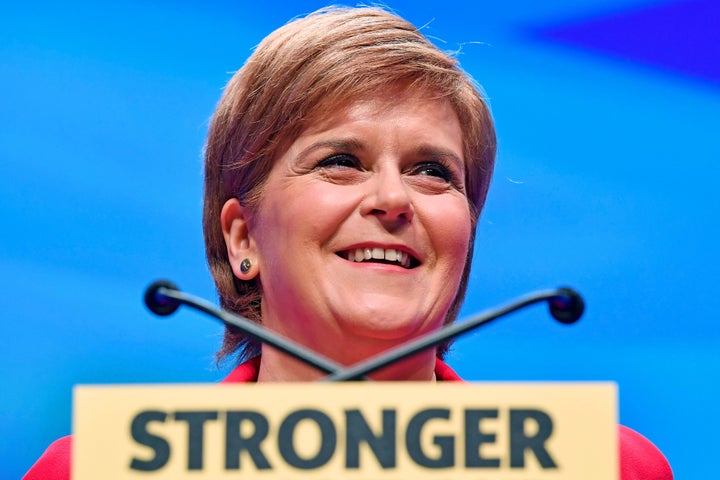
475	437
236	443
446	458
519	441
196	435
328	439
161	447
383	445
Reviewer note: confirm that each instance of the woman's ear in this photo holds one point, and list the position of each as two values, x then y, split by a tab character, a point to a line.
242	254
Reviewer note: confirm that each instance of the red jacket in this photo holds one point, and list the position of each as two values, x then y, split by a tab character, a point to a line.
639	458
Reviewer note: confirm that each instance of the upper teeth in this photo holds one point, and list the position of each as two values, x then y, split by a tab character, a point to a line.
390	254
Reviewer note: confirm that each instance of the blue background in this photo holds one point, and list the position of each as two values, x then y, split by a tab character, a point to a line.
607	114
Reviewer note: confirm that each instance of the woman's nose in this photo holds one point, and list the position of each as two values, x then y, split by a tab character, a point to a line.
388	198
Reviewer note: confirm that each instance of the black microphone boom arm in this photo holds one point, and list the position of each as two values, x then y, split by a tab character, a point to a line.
564	298
163	298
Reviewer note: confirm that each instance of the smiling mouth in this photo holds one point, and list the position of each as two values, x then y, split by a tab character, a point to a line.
390	256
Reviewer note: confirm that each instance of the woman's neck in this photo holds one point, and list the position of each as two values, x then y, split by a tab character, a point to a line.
277	366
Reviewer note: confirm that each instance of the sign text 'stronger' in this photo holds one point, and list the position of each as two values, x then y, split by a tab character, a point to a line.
358	430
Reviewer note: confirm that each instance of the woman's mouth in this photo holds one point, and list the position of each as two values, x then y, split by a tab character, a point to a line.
380	255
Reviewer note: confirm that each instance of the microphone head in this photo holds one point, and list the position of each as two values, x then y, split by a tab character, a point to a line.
567	306
159	303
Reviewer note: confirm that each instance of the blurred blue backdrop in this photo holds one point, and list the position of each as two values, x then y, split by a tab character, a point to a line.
607	112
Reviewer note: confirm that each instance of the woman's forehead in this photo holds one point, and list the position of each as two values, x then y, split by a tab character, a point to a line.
333	111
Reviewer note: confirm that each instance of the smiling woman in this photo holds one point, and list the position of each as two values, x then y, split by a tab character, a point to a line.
347	164
345	169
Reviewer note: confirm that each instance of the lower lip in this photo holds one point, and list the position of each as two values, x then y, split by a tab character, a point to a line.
381	267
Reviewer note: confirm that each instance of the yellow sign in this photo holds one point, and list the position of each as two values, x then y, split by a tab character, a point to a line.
358	430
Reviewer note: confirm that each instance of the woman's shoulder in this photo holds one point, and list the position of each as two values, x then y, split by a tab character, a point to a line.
640	459
54	464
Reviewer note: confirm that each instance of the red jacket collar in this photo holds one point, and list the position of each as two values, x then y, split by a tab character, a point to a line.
248	372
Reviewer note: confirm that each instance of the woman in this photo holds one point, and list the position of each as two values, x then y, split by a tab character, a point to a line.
305	149
346	165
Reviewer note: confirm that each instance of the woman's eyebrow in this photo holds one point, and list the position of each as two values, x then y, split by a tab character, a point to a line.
431	151
349	145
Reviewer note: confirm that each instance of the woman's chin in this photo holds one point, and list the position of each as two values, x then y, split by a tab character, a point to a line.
387	332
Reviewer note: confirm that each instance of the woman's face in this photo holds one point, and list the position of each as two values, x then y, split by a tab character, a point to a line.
362	232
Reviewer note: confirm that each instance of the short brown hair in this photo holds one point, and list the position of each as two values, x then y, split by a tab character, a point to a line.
299	73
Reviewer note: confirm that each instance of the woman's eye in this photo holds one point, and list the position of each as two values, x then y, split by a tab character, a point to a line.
339	161
433	169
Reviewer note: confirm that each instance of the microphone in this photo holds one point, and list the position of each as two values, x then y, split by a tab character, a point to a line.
567	306
157	299
163	298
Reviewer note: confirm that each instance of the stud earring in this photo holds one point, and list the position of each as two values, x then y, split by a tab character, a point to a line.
245	265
